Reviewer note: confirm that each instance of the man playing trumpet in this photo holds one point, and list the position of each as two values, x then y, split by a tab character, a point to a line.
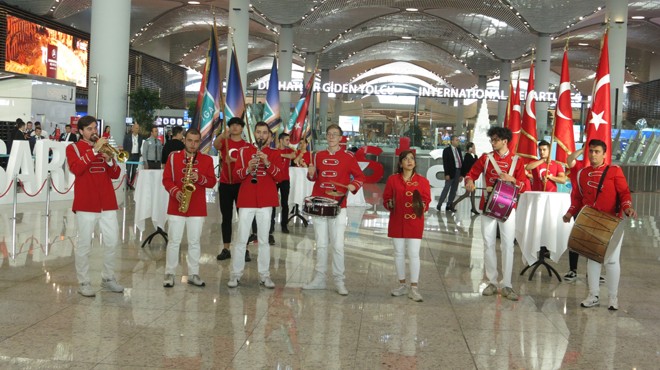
183	169
259	170
94	202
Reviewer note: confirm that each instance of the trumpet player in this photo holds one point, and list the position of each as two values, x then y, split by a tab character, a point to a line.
186	176
259	170
94	202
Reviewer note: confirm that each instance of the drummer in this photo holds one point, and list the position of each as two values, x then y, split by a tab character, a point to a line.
336	171
546	173
500	164
603	187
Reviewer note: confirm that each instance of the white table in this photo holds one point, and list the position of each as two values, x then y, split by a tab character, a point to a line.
151	199
539	223
302	188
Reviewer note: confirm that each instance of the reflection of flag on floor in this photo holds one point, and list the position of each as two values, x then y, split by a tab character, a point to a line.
235	102
209	99
563	131
527	146
297	120
272	108
599	124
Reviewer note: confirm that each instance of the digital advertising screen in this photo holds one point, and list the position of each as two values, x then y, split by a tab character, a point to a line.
37	50
349	123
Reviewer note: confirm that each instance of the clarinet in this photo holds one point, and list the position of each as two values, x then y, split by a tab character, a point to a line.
254	171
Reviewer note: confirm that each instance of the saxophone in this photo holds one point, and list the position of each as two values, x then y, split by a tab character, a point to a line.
188	187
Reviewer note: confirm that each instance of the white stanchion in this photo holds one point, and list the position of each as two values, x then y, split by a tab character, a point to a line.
13	219
48	185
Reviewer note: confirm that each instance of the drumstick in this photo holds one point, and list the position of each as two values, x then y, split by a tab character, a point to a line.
338	184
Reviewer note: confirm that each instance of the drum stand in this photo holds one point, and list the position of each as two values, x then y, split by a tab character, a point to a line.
158	231
296	213
543	254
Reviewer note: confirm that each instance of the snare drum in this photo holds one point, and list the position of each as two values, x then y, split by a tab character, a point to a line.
501	201
591	233
321	206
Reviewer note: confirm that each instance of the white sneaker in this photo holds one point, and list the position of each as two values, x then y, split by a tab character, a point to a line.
168	281
591	301
86	290
196	280
233	282
414	294
267	282
317	283
400	291
570	276
112	285
614	304
341	288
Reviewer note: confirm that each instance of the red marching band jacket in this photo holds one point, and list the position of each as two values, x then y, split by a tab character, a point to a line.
175	172
232	150
504	162
404	223
336	168
264	192
544	170
93	190
614	190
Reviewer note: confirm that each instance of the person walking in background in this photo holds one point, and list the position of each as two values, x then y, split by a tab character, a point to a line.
407	196
174	144
469	159
132	145
452	163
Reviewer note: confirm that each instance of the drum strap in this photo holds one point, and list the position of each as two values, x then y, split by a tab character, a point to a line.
600	183
491	159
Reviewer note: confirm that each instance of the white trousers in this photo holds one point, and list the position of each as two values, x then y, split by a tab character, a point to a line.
507	236
612	266
400	247
109	228
330	231
245	217
175	227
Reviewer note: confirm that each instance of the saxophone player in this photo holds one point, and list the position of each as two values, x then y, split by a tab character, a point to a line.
185	168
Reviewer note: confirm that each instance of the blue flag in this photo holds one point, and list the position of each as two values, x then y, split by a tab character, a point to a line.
272	109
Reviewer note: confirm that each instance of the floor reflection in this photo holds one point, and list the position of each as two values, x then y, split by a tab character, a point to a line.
46	324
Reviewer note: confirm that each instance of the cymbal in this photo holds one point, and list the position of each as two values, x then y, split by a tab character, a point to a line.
335	193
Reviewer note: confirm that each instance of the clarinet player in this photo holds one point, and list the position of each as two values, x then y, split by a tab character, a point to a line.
186	177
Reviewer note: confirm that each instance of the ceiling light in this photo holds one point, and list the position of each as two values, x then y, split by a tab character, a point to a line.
193	2
637	17
412	9
583	44
406	37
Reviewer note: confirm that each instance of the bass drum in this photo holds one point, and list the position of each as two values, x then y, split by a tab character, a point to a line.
501	201
591	233
321	206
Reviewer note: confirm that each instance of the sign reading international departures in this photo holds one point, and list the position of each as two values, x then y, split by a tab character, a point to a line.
430	92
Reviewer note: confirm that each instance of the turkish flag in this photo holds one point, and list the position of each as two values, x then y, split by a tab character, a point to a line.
527	147
514	120
563	133
509	103
599	118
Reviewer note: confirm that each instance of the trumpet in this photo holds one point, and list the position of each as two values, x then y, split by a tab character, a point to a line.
122	155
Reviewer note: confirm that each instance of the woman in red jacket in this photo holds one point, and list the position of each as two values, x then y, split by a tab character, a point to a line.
407	196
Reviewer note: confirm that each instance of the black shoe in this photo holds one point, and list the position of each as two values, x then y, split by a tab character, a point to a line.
285	229
252	239
271	239
247	256
450	210
475	211
224	255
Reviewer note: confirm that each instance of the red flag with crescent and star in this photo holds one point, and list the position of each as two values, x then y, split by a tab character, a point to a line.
527	147
599	118
563	134
514	119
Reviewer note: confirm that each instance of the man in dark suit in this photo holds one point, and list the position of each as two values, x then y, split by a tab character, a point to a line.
452	163
133	146
68	135
17	134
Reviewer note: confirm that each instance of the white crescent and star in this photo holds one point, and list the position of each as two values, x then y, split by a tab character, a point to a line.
528	104
563	87
597	118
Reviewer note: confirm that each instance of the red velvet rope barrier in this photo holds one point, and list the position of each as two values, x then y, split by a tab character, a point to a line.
8	188
121	182
59	192
35	194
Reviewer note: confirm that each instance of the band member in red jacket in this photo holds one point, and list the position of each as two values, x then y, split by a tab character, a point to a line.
178	171
258	169
228	144
94	202
406	224
612	197
509	169
546	174
334	170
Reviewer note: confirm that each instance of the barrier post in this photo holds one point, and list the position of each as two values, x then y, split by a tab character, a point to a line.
13	219
48	185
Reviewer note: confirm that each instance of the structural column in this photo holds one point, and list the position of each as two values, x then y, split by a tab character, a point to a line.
541	83
239	32
285	66
323	101
460	117
505	81
617	12
108	63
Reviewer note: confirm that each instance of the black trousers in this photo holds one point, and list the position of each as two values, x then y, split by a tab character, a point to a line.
228	195
132	168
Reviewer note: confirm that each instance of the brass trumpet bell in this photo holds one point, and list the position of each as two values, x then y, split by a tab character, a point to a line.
122	155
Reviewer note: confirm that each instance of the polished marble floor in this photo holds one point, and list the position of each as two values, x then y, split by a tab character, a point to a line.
45	324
